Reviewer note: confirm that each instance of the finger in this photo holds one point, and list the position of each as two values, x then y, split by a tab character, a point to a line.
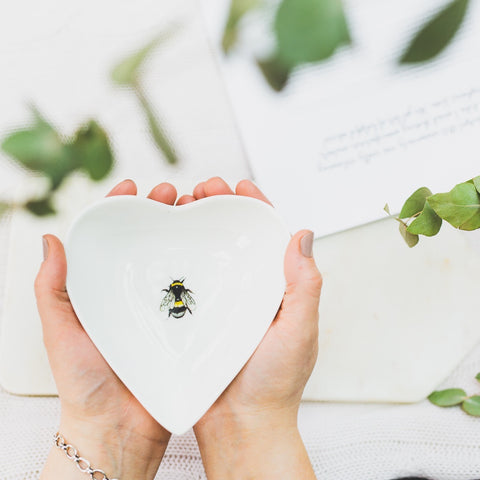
246	188
199	191
217	186
164	193
53	303
303	280
127	187
184	199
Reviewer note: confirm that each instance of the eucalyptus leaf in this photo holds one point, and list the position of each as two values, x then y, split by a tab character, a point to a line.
238	9
126	72
40	149
41	207
428	223
92	149
472	405
460	207
436	34
476	182
309	30
274	72
35	148
410	238
448	398
415	203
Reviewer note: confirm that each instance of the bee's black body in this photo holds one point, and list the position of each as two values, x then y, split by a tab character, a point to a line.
178	299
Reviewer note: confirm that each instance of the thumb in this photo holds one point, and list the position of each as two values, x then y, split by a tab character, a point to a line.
303	280
53	303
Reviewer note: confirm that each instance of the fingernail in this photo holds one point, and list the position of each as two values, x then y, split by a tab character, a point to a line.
116	187
45	248
306	245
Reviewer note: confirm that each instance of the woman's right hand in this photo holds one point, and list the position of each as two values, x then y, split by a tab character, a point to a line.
99	415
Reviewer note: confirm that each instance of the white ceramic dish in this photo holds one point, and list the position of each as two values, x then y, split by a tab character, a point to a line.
124	251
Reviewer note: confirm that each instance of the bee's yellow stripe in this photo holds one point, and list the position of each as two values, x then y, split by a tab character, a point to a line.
176	283
178	304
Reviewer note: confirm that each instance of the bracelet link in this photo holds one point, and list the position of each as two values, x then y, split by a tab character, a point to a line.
82	464
100	472
69	448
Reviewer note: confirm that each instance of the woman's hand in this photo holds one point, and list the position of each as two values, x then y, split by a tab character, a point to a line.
99	415
251	430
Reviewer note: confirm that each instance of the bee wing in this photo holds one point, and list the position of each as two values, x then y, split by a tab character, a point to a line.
188	300
167	301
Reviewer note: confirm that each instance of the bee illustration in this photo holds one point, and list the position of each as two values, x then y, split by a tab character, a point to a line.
177	299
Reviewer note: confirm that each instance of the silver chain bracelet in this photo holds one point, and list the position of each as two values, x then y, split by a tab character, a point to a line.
82	464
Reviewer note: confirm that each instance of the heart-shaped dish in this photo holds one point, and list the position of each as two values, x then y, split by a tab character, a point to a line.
176	298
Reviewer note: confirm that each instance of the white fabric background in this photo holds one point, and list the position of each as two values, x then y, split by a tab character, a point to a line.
345	442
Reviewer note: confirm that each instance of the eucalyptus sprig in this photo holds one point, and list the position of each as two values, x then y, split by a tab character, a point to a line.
311	31
456	396
127	73
423	212
42	149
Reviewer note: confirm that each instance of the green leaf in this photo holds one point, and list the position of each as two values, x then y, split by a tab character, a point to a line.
36	148
472	405
448	398
126	72
274	72
40	149
238	9
410	238
387	208
478	376
415	203
476	182
436	34
428	223
460	207
309	30
92	150
41	207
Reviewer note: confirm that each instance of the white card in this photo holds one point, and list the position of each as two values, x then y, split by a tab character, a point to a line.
348	135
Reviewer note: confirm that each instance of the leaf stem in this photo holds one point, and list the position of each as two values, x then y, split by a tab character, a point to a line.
5	207
157	131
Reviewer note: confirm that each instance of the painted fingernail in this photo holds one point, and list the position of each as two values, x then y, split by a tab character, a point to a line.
45	248
306	245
